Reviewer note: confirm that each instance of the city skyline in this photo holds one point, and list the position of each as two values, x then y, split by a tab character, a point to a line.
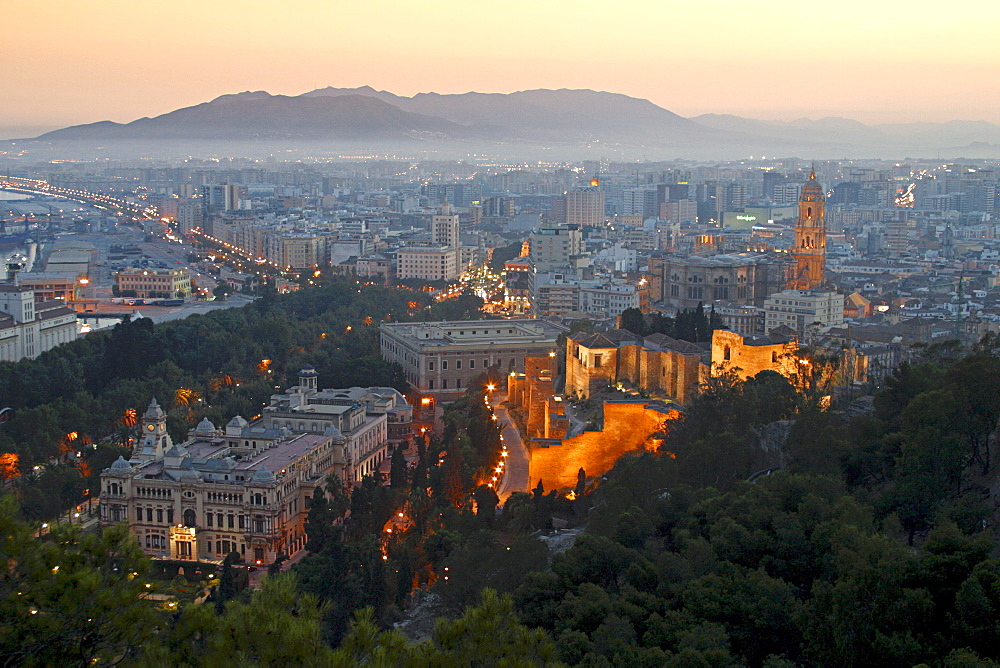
873	63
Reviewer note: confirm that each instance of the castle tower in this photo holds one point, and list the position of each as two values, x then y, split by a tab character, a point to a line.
155	439
809	251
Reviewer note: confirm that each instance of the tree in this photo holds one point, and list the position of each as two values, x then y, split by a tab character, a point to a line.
397	469
319	522
222	290
279	626
73	599
485	635
633	320
486	502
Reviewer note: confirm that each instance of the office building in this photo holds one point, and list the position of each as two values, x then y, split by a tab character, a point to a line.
168	283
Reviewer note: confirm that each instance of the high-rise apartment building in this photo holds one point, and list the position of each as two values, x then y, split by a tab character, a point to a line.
585	206
444	227
554	246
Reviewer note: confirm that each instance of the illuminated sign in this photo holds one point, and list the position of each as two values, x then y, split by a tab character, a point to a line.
749	219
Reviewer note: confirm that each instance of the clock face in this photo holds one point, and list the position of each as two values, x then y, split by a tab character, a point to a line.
150	427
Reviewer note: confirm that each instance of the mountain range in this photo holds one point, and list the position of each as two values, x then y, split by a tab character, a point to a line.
538	117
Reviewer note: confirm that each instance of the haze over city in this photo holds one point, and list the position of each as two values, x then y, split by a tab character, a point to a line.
873	62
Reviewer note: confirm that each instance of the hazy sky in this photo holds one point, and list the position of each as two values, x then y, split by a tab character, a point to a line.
77	61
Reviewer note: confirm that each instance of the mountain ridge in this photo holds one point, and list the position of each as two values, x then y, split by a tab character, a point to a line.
581	117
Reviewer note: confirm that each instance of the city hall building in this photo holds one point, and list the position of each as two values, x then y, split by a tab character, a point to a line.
246	488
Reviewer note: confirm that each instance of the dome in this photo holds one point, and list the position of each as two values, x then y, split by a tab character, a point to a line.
262	476
121	465
238	422
308	370
205	427
176	451
812	185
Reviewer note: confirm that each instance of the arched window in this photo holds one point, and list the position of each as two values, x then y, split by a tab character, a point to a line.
809	212
189	518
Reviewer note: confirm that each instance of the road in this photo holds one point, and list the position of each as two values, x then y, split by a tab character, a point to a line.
576	425
516	477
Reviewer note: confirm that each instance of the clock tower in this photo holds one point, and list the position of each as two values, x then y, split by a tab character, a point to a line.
154	440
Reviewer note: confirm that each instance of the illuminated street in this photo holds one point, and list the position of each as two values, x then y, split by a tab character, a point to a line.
516	477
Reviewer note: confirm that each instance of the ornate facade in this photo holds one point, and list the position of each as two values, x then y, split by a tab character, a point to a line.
246	488
810	238
684	281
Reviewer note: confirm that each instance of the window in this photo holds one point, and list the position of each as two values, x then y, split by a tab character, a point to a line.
458	364
229	521
430	366
597	361
727	353
444	365
190	519
208	519
159	515
472	364
138	514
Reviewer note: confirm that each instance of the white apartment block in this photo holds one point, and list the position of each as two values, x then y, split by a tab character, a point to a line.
805	311
429	263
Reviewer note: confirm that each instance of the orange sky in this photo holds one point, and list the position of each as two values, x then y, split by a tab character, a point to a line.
72	61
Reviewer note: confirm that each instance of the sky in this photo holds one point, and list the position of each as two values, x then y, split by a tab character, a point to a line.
66	61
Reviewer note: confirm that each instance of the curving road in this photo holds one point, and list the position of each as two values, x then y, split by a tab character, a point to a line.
516	477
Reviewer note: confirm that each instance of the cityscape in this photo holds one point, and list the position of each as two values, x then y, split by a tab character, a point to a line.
549	367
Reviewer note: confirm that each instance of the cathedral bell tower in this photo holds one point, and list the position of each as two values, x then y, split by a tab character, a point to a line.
809	251
155	440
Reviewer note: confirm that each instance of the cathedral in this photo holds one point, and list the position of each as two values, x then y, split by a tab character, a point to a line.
809	251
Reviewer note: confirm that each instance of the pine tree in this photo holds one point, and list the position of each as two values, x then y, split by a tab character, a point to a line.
397	471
